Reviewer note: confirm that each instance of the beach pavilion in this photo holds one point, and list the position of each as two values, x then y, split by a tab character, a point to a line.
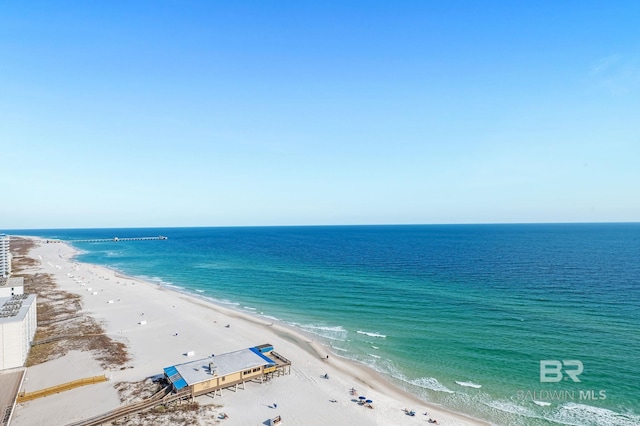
217	372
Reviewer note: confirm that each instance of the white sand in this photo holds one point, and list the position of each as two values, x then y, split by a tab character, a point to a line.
303	397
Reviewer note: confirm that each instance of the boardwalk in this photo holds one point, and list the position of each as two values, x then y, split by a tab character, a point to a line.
107	240
28	396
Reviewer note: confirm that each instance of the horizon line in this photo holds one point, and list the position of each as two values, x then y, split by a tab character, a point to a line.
333	225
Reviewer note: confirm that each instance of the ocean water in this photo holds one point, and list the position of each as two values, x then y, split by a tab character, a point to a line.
460	315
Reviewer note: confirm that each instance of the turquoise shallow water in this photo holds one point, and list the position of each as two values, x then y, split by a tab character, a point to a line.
459	315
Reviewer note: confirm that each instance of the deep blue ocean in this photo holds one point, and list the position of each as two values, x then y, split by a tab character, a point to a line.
460	315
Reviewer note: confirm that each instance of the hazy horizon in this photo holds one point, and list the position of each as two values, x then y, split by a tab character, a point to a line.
324	225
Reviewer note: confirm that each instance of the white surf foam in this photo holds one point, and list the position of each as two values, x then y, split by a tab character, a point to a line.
430	383
221	301
370	334
511	407
157	280
469	384
571	413
337	333
174	286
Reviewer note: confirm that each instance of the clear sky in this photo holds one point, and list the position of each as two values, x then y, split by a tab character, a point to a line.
203	113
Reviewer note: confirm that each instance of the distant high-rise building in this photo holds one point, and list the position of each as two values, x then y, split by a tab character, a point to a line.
18	316
5	256
18	322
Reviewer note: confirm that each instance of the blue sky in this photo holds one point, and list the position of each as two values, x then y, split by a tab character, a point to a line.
192	113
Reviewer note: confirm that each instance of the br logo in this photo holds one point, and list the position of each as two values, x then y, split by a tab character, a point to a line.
551	370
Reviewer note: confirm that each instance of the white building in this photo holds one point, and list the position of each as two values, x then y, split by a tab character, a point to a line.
17	328
18	320
5	256
11	286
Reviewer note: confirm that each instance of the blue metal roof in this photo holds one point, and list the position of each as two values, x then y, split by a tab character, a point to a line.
175	377
261	355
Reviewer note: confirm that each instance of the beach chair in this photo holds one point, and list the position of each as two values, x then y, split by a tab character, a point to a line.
275	421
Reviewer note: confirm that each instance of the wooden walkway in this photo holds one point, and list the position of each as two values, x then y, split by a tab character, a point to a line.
28	396
164	396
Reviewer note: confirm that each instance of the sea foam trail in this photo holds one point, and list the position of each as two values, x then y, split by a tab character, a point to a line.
337	333
571	413
271	317
158	280
512	407
221	301
370	334
469	385
430	383
175	286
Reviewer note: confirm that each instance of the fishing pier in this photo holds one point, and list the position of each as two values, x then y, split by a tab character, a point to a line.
114	239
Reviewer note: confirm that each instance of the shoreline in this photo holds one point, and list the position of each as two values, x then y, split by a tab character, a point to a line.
153	347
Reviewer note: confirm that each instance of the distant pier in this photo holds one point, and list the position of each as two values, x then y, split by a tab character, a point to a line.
106	240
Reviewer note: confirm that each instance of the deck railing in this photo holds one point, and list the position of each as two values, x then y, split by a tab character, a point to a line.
28	396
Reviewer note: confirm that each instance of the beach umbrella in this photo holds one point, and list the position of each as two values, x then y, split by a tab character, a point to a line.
362	398
368	401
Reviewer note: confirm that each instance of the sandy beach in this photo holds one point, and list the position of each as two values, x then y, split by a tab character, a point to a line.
175	324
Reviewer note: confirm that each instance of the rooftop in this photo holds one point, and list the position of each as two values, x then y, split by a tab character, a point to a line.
15	308
193	372
12	282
